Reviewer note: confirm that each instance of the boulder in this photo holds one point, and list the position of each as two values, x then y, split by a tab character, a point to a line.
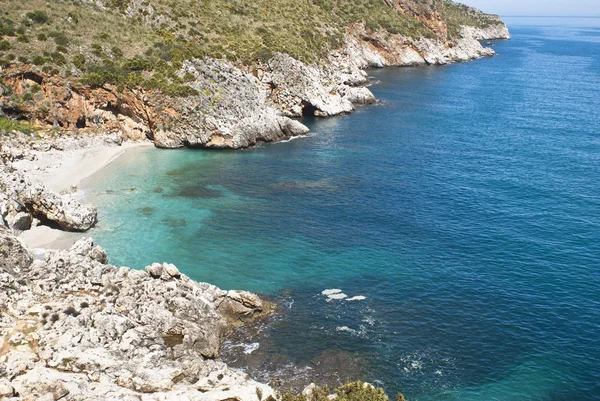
14	257
171	270
20	221
25	197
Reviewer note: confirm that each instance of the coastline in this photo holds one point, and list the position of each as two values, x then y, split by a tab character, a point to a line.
80	274
59	170
63	171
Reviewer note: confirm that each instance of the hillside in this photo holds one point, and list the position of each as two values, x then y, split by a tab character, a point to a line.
62	60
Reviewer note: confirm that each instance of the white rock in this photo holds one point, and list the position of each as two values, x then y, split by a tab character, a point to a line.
6	389
171	270
331	291
155	269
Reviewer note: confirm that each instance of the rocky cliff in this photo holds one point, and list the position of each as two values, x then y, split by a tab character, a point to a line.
176	97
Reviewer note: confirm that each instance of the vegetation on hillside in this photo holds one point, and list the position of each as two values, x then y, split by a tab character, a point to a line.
457	15
144	43
7	125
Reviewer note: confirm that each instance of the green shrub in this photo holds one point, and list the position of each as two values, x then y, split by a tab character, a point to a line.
4	45
39	60
61	49
58	58
23	38
42	37
116	52
7	125
354	391
38	17
78	61
60	38
7	27
74	18
97	50
137	64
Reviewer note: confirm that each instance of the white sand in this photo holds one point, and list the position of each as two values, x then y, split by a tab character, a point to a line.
62	170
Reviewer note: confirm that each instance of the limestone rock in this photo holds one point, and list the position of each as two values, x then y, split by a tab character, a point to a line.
171	270
82	329
155	269
23	195
20	221
6	389
13	255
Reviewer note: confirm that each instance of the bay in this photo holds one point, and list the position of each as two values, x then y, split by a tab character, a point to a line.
464	207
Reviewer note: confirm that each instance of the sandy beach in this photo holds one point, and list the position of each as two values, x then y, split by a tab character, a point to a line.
62	171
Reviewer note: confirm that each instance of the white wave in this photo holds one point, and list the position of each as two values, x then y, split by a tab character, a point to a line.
340	295
357	298
295	137
250	348
369	320
331	291
361	332
290	304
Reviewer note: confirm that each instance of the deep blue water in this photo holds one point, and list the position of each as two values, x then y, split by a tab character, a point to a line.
465	208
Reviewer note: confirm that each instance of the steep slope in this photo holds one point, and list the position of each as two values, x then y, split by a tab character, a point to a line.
224	74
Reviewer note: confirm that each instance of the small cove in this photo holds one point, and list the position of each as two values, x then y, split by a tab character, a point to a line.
464	208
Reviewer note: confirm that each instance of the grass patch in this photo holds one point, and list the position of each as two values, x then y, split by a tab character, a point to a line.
8	125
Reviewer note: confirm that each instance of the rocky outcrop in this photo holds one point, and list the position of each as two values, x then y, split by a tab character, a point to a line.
65	104
497	31
73	326
297	89
13	255
240	106
380	49
22	200
230	111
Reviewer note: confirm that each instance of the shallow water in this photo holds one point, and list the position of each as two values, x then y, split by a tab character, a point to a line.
465	208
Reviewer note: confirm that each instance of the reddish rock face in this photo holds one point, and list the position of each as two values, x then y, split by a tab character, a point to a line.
427	12
55	102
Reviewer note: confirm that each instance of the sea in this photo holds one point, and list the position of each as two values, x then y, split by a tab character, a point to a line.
456	225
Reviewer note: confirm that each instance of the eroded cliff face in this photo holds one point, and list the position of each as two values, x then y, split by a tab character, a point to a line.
380	49
240	106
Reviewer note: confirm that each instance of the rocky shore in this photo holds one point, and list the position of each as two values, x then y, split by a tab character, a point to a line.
74	327
237	107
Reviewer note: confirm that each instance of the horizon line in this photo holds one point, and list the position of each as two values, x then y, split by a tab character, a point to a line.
550	16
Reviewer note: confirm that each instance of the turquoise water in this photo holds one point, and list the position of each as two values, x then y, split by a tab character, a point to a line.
465	208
